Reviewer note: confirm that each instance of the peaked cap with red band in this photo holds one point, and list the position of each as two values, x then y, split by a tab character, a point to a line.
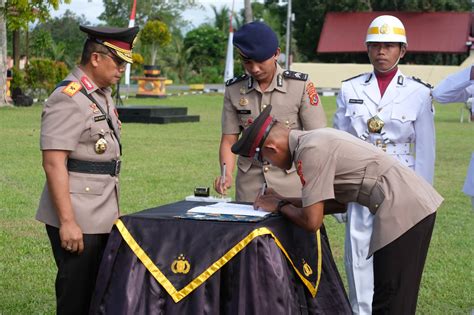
118	39
252	139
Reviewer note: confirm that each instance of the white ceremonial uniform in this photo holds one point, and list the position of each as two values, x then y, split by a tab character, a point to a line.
458	87
408	132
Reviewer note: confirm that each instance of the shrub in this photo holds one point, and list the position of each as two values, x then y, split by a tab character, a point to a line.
42	75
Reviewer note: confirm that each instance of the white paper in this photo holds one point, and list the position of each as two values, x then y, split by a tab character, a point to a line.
230	208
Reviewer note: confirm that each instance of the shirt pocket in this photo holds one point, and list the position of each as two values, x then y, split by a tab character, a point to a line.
404	114
244	163
86	186
355	110
376	198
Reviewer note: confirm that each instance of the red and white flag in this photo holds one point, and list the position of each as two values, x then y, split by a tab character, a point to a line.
229	60
130	24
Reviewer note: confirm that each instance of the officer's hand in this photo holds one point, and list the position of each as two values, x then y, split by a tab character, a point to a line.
222	187
71	237
268	201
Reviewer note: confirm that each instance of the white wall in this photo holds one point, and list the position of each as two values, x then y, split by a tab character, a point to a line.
329	76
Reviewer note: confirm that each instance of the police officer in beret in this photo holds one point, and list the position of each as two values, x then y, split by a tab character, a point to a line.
80	143
295	102
336	168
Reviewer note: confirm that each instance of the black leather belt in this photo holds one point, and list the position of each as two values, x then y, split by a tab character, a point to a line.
112	168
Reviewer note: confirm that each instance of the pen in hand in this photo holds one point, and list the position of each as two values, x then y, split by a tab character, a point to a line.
264	187
223	172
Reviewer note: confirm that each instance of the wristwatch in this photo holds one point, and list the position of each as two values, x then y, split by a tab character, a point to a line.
281	204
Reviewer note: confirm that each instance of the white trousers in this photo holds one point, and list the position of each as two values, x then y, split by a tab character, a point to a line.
359	269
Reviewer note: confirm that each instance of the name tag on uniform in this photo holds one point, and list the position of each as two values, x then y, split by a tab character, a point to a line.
99	118
355	101
244	111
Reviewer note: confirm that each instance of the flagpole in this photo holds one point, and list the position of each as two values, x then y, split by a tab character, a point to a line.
131	23
229	62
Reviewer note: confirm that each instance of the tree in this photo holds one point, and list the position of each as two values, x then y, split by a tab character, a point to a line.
117	12
16	14
3	56
155	34
66	36
206	46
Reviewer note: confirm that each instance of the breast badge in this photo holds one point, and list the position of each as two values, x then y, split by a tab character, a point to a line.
101	146
180	265
243	102
312	94
375	124
94	108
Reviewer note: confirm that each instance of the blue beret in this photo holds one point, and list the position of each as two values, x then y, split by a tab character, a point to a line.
256	41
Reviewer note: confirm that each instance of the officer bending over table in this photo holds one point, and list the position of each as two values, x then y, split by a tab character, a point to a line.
336	168
295	102
80	141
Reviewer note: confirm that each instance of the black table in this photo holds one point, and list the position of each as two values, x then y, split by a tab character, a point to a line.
165	261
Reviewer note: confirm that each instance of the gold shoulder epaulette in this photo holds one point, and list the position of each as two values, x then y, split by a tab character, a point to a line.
72	88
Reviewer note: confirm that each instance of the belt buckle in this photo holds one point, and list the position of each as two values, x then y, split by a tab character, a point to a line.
380	144
118	164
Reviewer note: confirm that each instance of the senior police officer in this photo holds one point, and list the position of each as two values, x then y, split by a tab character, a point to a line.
393	112
80	142
292	95
459	87
336	168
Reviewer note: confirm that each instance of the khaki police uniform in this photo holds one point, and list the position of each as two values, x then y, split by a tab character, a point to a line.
335	165
295	103
408	135
72	122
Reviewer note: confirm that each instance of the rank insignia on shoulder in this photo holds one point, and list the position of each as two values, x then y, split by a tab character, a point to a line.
236	79
295	75
421	82
355	101
72	88
353	77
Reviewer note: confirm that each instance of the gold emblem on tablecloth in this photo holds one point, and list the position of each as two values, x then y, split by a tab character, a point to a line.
243	101
180	265
375	124
101	146
307	269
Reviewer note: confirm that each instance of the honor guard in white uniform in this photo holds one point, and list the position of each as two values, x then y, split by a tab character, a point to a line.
393	112
295	102
459	87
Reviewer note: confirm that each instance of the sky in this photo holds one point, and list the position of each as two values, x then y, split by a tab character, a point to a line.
91	9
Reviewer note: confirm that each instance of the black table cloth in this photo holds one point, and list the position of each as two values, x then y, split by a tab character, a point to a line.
165	261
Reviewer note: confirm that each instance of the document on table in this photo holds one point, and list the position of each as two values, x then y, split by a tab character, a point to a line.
230	209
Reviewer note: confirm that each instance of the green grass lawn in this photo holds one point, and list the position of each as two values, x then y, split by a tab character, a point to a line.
163	164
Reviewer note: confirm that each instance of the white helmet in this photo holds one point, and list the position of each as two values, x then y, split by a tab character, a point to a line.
386	29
